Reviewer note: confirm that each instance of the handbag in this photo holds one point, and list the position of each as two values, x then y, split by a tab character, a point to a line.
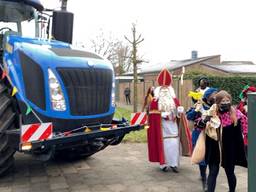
198	154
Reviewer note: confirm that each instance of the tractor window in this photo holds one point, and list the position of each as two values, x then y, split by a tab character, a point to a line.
15	12
26	28
18	17
12	26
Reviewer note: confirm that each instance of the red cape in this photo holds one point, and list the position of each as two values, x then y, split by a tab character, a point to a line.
155	137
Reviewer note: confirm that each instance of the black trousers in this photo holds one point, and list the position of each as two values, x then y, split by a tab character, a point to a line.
202	169
213	173
128	100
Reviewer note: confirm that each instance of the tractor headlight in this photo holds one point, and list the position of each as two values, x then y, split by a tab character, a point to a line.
56	94
113	95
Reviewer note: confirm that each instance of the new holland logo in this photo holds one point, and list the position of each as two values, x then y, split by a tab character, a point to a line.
90	63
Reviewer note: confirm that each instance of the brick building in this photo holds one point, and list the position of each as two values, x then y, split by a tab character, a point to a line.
207	65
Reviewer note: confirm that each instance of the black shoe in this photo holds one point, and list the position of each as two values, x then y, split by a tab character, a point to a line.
175	169
164	169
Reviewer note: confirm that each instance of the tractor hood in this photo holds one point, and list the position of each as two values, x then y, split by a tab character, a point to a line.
86	79
53	54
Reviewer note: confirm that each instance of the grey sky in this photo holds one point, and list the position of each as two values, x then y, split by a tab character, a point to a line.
172	28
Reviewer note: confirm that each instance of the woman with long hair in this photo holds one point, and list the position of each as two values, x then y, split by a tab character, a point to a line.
148	98
227	149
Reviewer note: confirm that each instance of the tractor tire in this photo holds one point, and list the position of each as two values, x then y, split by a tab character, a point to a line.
7	122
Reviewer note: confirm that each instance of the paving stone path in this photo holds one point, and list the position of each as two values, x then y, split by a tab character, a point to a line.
117	168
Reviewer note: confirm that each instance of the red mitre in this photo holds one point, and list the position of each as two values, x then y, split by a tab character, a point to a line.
164	78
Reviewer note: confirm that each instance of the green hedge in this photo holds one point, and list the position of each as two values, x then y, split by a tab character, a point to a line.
233	84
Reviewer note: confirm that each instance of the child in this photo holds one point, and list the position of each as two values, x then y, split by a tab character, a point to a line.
195	113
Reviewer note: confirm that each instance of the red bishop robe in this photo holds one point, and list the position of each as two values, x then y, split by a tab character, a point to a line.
155	137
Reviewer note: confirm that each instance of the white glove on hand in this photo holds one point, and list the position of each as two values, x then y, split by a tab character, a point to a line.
165	114
180	109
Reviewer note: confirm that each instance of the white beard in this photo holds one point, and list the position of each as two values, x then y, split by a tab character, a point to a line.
165	100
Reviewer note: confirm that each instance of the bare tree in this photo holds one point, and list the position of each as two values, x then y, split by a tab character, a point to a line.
113	49
104	46
135	61
122	59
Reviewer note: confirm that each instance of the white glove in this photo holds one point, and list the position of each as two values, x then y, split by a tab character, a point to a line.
165	114
180	109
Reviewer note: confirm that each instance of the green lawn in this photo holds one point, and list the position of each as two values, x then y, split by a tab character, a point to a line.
135	136
121	112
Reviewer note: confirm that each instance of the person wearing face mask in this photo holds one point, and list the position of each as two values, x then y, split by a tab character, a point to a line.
195	114
227	148
209	97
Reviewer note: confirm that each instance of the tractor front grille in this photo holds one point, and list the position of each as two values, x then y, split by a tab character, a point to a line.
89	90
33	80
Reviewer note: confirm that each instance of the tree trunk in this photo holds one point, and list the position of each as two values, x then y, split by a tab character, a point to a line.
135	75
135	41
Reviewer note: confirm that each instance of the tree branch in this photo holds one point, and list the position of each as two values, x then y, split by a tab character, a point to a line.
138	42
138	38
128	39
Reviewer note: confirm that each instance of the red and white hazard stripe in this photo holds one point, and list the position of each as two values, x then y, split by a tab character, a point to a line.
36	132
139	118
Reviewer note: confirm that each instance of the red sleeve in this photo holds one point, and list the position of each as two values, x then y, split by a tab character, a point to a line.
176	101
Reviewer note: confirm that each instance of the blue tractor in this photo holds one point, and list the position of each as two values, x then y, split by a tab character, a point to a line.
54	98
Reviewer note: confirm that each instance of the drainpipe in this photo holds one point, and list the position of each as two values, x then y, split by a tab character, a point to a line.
251	142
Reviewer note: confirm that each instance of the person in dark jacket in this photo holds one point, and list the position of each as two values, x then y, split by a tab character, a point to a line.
127	94
228	150
203	84
194	114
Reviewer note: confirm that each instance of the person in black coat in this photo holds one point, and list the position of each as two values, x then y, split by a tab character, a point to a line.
229	150
127	94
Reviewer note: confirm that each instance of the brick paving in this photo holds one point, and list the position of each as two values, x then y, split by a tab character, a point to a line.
117	168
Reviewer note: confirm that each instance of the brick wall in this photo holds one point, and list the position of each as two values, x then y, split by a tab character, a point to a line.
142	88
180	90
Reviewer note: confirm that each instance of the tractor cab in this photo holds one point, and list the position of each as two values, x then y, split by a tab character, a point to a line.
15	16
